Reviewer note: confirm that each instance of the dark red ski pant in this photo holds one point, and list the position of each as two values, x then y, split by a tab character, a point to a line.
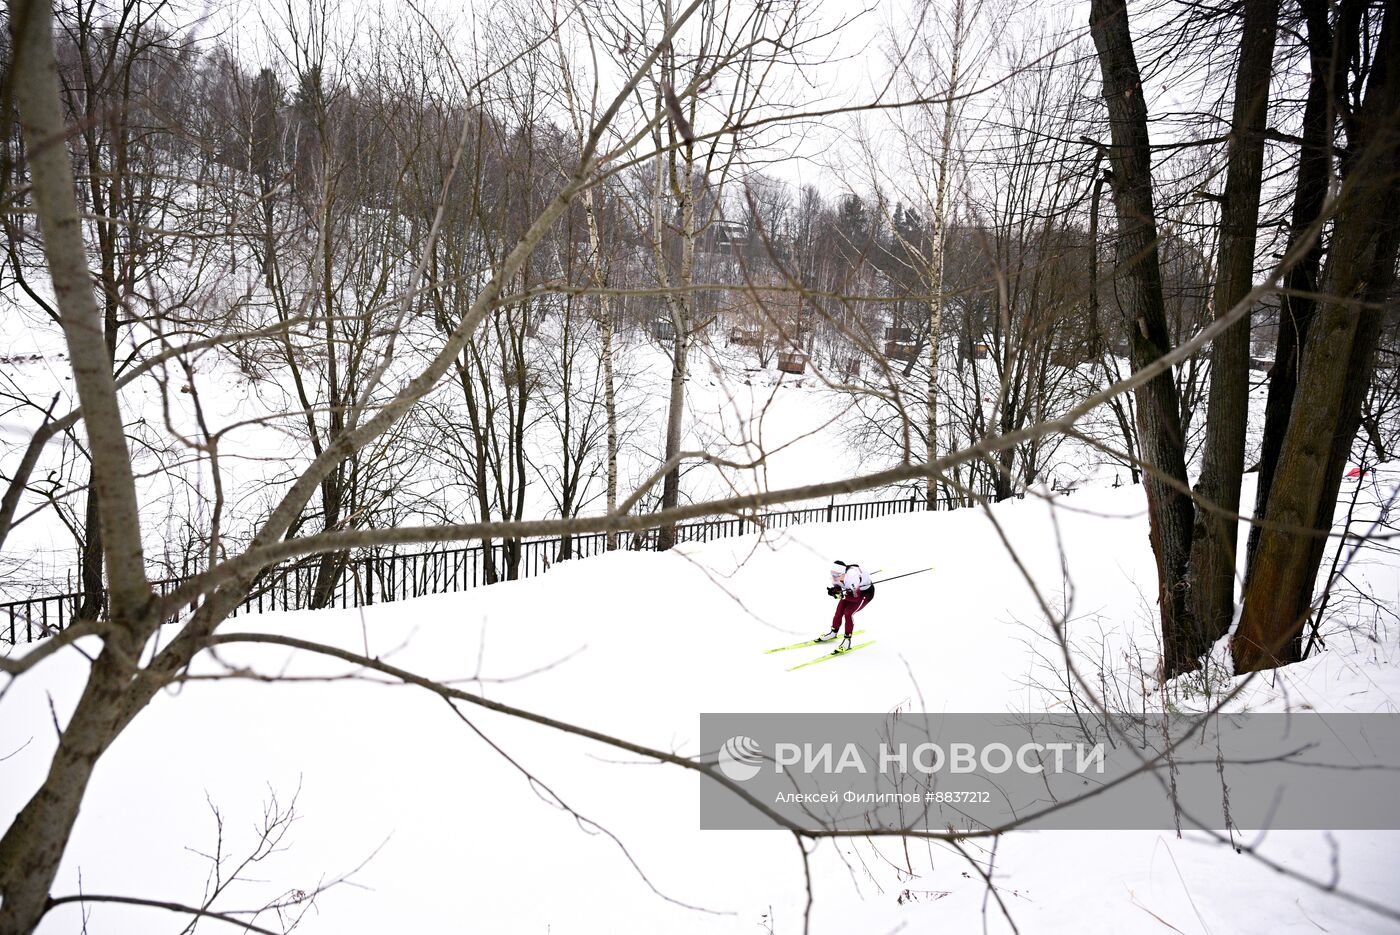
846	611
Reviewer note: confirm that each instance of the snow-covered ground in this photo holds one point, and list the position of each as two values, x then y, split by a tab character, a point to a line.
445	834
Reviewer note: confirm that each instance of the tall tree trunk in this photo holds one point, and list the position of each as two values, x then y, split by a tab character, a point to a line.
1337	362
600	270
1096	343
568	476
329	565
33	845
1169	510
90	557
1003	487
675	412
1216	532
103	131
610	409
939	247
682	183
1310	193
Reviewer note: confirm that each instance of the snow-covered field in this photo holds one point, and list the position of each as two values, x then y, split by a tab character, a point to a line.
485	823
444	832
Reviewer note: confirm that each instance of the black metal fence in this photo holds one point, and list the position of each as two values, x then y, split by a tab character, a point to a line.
378	575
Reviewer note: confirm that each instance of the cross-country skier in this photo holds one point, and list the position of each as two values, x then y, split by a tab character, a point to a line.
853	589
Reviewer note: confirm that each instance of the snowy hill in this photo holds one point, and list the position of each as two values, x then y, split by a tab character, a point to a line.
444	833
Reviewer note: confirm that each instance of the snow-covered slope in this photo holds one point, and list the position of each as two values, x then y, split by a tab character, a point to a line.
448	835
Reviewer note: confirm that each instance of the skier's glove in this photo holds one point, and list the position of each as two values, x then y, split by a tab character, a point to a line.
834	591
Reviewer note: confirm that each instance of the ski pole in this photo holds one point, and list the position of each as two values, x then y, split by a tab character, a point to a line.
905	575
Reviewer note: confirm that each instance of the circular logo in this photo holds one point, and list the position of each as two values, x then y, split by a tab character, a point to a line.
740	758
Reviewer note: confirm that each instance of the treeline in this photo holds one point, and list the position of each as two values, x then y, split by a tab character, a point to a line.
330	208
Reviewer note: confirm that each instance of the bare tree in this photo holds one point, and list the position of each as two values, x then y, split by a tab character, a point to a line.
740	53
1212	562
1338	355
33	845
1139	278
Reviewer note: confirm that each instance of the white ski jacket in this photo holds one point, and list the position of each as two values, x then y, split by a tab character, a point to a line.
855	580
